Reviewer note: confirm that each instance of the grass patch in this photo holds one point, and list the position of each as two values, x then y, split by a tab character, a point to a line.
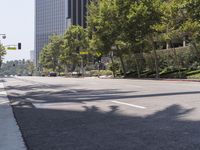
195	72
101	72
196	76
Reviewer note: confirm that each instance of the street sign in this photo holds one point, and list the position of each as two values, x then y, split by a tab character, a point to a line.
98	54
11	48
83	53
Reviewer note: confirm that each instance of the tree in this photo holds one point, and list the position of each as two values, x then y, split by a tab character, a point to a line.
17	67
191	25
143	16
45	57
104	27
193	8
122	24
49	57
30	67
75	40
2	53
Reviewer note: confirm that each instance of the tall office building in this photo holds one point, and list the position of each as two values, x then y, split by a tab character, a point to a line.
54	17
77	12
50	18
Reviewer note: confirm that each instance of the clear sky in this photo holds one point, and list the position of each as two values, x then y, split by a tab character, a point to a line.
17	22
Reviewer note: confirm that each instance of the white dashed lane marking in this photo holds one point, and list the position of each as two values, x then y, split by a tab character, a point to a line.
127	104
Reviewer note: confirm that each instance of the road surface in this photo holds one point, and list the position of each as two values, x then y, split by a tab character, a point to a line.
105	114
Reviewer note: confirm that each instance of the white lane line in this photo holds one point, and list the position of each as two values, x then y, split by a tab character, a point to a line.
3	96
73	91
4	102
122	103
3	93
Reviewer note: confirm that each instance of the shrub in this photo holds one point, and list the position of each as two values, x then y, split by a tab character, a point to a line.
193	72
196	76
101	72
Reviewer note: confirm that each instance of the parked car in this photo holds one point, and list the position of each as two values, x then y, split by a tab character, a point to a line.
43	75
52	74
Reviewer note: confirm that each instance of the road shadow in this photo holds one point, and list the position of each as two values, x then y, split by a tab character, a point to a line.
43	94
2	80
38	92
93	129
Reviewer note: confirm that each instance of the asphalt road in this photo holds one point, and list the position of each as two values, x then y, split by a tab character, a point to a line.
105	114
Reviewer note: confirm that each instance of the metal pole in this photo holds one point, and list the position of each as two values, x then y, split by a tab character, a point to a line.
82	72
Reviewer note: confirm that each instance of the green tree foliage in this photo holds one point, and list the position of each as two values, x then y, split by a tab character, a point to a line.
193	7
122	24
49	57
191	26
2	53
128	31
75	41
17	67
30	67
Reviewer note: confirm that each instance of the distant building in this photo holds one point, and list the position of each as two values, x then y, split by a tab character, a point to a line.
54	17
77	12
50	18
32	56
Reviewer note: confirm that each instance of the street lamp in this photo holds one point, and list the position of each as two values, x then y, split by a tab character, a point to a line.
3	37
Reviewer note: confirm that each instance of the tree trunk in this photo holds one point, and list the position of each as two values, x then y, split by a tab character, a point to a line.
196	49
113	70
133	56
137	66
123	66
156	63
66	70
122	61
155	59
0	61
176	60
53	64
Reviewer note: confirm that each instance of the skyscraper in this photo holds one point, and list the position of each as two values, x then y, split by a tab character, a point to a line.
77	12
54	17
50	18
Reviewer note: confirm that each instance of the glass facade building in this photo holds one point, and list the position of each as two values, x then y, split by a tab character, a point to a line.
50	18
54	17
77	12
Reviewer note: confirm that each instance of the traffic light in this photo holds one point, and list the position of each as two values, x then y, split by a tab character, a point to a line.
19	45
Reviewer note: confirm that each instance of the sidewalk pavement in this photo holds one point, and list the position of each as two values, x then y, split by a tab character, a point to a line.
10	135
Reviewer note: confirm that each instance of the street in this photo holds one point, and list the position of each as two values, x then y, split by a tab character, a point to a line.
105	114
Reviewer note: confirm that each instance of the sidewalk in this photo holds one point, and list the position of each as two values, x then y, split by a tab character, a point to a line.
10	135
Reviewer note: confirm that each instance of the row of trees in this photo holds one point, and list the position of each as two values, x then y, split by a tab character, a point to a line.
127	29
17	67
2	53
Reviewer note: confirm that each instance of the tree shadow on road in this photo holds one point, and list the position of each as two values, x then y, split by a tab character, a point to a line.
56	95
44	93
94	129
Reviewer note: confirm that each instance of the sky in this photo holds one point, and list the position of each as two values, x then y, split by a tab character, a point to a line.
17	22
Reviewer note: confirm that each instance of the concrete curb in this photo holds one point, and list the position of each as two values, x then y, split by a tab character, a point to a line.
10	135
